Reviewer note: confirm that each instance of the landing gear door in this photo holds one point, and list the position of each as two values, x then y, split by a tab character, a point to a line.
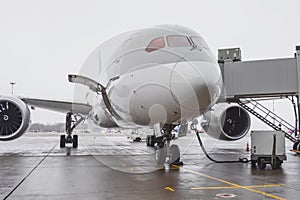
183	129
157	130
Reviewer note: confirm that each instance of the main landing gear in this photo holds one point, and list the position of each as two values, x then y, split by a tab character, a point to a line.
72	121
164	152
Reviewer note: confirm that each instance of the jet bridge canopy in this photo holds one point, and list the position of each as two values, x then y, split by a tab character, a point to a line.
259	78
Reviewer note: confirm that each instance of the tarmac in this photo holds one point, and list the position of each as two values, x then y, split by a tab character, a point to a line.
110	166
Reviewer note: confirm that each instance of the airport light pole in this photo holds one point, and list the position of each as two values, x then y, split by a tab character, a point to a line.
12	87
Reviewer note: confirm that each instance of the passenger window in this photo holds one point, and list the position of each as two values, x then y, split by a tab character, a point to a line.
156	44
178	41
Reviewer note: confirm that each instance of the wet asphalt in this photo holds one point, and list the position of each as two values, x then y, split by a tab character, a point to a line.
110	166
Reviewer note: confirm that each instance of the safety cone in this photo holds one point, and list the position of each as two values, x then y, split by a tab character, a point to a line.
247	147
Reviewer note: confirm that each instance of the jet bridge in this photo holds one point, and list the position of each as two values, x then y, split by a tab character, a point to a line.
245	82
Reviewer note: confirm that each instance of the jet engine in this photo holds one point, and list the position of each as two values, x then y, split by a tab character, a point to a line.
226	122
14	118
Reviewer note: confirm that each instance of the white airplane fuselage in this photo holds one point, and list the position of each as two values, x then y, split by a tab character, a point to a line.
165	74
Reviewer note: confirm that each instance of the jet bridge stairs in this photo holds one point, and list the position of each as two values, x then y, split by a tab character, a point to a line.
268	117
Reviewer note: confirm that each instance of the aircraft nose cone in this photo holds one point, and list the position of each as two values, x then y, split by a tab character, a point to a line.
196	85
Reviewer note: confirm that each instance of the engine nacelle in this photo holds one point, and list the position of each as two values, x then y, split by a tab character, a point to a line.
14	118
226	122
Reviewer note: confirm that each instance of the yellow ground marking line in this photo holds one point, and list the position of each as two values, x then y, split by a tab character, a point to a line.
266	185
235	185
296	151
170	189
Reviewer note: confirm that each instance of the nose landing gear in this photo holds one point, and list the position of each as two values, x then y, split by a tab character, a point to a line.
164	152
72	121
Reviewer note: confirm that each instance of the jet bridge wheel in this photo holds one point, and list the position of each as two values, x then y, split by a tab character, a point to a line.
296	146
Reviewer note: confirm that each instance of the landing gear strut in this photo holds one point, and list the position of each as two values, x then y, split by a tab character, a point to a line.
72	121
151	140
166	153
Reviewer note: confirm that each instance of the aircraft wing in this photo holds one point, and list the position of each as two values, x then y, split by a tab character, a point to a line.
59	106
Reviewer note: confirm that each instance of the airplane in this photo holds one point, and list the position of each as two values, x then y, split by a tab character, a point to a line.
158	77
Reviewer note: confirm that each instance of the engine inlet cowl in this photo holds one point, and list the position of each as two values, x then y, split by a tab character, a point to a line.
226	122
14	118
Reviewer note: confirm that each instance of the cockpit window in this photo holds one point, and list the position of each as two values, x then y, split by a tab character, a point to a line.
178	41
199	42
156	44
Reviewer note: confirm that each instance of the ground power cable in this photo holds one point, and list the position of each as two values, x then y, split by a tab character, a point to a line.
240	160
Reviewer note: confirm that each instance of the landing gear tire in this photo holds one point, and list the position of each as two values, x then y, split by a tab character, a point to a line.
62	141
147	140
75	141
161	155
296	146
174	157
150	140
261	163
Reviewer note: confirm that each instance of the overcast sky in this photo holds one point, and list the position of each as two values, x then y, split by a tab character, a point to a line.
41	41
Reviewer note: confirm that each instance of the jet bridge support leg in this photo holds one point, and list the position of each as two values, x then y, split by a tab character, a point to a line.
297	131
296	145
298	120
72	121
